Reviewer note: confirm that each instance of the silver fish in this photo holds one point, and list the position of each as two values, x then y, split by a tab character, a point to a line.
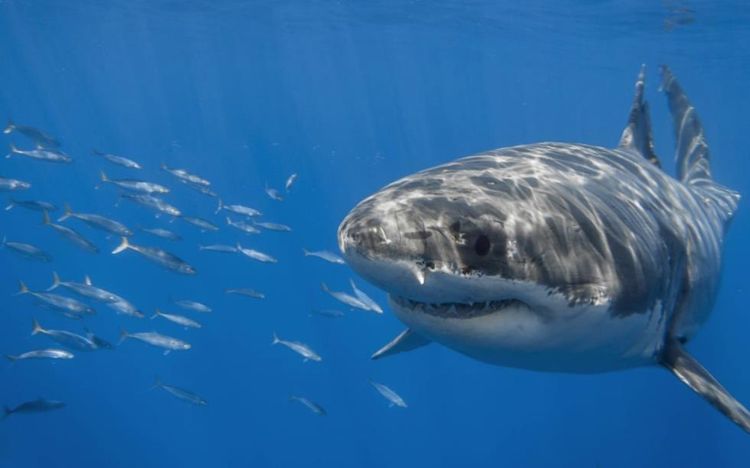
39	137
163	233
345	298
39	405
178	319
299	348
70	307
246	292
325	255
12	185
238	209
119	160
192	305
124	307
389	394
152	202
41	354
274	194
72	235
66	338
157	255
242	226
274	226
181	393
365	299
27	250
41	154
135	185
256	255
185	176
157	340
203	224
290	181
85	289
311	405
97	221
218	248
34	205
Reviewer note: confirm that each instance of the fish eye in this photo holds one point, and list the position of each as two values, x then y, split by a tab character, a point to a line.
482	245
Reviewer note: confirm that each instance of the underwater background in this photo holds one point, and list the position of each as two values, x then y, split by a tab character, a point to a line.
350	95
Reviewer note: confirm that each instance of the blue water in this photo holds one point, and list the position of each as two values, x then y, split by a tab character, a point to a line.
350	95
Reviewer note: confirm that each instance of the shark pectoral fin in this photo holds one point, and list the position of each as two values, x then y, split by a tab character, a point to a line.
407	340
687	369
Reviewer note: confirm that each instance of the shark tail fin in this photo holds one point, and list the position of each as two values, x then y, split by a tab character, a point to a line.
55	281
695	376
36	327
124	245
637	135
67	212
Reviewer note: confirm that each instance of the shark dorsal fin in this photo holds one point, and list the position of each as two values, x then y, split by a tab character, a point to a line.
637	134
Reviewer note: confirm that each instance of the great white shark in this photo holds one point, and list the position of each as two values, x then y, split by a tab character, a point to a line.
557	256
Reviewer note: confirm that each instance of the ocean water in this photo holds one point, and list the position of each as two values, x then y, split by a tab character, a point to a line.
350	95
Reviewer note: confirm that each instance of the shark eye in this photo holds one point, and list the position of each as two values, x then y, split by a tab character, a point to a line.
482	245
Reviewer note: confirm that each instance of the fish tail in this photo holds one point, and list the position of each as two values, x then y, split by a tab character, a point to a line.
157	383
229	221
22	288
66	213
11	204
96	152
36	327
55	281
13	149
158	313
276	339
10	127
324	287
11	358
124	245
123	336
2	243
45	218
218	208
103	176
305	251
87	280
6	412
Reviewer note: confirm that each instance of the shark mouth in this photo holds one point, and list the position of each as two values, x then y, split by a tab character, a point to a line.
458	310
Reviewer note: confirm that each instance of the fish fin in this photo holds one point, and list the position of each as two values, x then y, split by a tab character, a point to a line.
13	149
45	218
96	152
407	340
325	288
305	252
22	288
11	204
36	327
124	245
103	176
276	339
55	281
87	281
158	313
695	376
692	153
66	213
157	383
6	412
637	135
218	208
123	336
11	358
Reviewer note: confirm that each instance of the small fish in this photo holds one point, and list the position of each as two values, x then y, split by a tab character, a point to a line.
41	154
185	176
290	181
98	341
180	393
274	226
242	226
12	185
246	292
28	251
39	405
70	307
152	202
325	255
50	353
238	209
97	221
389	395
365	299
122	306
192	305
158	256
330	313
256	255
39	137
66	338
134	185
274	194
178	319
311	405
163	233
345	298
72	235
299	348
203	224
33	205
119	160
157	340
85	289
218	248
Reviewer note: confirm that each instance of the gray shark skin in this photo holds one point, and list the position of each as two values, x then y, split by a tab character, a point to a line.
555	256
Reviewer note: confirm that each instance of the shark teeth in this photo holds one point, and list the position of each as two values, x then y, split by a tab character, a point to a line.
458	310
